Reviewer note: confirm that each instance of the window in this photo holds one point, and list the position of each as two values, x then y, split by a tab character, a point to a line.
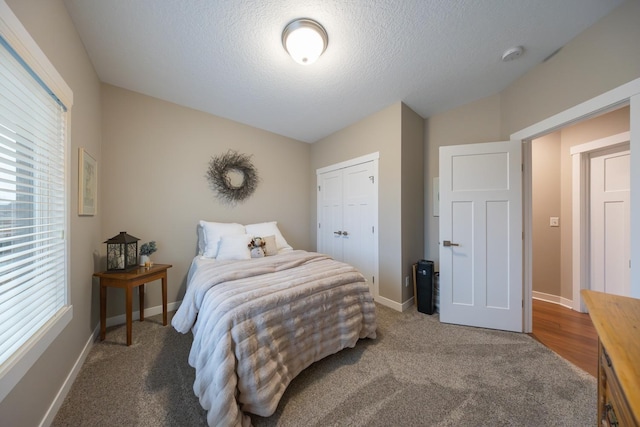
34	304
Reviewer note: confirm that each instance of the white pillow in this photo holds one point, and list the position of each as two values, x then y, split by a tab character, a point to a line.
213	231
268	229
234	246
201	243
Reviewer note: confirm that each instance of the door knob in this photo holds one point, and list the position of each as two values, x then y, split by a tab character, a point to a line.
339	233
448	243
344	233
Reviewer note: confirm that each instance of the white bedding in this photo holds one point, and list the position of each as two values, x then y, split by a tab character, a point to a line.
258	323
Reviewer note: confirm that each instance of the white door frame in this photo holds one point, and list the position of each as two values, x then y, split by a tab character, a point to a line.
580	211
628	93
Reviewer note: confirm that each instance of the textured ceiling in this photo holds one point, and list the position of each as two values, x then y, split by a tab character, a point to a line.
225	57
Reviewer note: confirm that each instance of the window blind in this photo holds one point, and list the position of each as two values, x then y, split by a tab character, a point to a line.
32	203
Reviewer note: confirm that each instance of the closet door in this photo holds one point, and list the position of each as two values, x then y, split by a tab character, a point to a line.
358	229
347	217
330	214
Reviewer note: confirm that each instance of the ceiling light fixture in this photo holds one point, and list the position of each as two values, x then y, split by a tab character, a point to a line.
305	40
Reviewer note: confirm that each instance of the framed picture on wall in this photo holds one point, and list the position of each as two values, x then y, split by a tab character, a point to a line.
87	183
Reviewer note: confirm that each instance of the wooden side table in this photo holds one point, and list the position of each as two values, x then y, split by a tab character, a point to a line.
127	281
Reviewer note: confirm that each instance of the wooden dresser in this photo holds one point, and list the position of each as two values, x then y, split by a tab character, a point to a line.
617	321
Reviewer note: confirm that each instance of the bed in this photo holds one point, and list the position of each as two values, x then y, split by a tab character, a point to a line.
258	322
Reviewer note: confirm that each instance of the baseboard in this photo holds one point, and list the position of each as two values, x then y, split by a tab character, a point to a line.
388	303
148	311
395	305
68	382
555	299
408	303
71	377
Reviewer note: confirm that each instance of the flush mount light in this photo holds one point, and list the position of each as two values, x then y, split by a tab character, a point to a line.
305	40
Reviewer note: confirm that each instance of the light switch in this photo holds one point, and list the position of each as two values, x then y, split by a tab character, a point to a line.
554	221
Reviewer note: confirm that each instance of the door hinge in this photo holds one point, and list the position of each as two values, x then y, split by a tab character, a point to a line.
319	225
373	179
373	230
373	279
318	188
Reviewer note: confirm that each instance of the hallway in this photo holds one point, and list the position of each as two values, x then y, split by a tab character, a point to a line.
567	332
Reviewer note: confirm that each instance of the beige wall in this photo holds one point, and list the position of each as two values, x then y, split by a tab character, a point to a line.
397	134
546	197
601	58
412	168
50	26
381	132
155	155
472	123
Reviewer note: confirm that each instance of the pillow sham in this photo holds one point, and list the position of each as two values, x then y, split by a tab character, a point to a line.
213	231
270	247
234	247
268	229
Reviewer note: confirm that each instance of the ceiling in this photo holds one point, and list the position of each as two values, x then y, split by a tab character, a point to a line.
225	57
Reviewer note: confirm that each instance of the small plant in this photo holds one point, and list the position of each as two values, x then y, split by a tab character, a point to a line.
148	248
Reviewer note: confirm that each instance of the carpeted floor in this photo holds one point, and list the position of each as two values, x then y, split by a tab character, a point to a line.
418	372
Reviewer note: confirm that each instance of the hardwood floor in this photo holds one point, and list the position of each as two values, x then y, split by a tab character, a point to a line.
567	332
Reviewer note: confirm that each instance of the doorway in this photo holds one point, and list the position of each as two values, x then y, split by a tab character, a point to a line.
627	94
560	170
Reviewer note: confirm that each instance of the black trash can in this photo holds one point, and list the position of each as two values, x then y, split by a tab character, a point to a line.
424	287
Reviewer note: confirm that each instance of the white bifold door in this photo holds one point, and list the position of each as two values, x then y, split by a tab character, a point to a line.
347	216
481	235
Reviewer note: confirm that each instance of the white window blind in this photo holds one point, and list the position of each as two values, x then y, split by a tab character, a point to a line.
33	221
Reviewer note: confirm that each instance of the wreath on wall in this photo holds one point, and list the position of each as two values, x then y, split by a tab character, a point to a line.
222	171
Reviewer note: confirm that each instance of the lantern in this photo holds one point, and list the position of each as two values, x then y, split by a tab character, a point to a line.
122	252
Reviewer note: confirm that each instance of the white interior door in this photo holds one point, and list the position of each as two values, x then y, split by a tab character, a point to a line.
481	235
610	222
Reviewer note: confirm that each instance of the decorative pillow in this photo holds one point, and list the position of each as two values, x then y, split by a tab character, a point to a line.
269	229
213	231
234	246
257	252
270	247
256	246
